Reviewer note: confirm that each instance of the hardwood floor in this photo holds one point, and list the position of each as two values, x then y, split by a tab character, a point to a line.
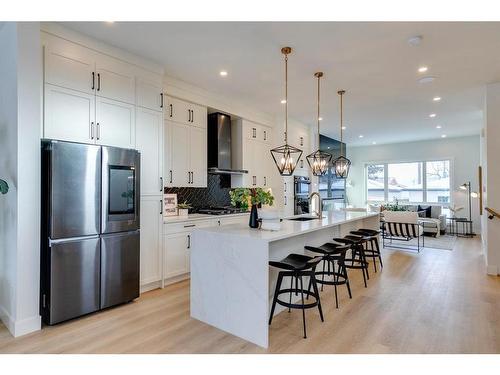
438	301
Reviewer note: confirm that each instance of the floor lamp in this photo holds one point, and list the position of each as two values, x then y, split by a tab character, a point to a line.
470	194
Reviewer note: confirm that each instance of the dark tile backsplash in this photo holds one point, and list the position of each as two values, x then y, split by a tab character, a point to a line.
215	194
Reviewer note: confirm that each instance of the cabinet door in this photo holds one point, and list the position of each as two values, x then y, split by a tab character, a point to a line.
71	66
175	254
69	115
167	154
264	134
262	158
198	115
151	239
149	141
115	123
198	156
177	110
149	94
179	154
115	79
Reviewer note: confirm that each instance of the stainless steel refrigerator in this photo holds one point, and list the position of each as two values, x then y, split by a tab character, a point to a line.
90	228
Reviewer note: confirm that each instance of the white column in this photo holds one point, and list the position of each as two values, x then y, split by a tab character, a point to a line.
491	182
20	129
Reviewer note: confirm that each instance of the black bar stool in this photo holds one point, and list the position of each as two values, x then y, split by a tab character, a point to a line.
297	266
372	249
334	255
357	259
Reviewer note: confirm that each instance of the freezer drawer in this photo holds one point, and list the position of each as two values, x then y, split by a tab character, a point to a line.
119	268
74	279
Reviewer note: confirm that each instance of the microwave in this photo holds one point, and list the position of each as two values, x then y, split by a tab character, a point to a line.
302	185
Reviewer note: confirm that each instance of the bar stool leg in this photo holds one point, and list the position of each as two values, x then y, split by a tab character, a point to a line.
372	248
335	280
347	283
323	275
379	253
316	291
276	291
303	308
291	288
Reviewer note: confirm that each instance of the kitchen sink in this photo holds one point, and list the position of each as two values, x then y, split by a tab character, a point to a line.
303	218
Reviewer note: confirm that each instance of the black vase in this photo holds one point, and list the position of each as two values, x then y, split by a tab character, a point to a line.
254	217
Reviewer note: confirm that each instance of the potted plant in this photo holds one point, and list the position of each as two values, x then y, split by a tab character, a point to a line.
4	186
254	197
183	208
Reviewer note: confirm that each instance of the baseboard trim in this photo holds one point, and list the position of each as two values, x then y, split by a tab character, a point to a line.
157	284
21	327
492	269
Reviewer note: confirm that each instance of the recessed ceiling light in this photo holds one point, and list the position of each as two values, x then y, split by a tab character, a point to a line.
110	21
374	143
426	79
344	127
328	147
361	136
320	119
423	69
415	40
443	136
223	73
432	115
438	126
283	101
436	98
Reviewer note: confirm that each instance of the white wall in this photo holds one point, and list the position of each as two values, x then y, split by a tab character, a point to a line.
464	153
492	182
20	105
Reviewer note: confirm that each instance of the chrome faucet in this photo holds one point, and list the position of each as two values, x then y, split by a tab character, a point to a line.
319	212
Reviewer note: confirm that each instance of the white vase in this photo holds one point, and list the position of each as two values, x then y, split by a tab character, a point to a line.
183	211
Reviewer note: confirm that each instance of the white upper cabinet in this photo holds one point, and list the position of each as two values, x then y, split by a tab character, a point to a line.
149	94
69	115
250	151
71	66
177	110
115	123
198	156
183	112
185	155
115	79
149	141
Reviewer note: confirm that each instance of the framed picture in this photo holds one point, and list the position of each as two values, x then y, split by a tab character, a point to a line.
169	204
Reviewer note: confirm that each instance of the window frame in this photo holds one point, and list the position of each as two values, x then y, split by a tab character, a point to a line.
424	162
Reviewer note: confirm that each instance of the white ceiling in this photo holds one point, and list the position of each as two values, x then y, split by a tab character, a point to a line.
372	61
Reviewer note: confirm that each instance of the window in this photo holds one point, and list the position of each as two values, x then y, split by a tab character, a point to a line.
413	182
438	181
375	182
404	182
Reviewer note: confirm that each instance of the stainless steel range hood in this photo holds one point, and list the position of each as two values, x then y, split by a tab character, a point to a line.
219	145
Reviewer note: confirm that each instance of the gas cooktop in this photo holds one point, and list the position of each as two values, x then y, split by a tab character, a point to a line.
227	210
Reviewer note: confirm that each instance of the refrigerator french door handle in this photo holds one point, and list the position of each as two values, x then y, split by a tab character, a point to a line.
71	239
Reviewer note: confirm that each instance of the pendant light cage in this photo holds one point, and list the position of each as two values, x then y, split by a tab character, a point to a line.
341	165
319	161
286	157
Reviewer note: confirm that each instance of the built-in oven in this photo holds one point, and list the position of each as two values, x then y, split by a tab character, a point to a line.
302	185
120	190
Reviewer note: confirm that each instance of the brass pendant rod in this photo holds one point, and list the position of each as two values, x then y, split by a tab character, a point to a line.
319	76
341	93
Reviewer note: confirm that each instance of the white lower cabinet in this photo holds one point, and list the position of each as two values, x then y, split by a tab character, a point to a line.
176	259
151	240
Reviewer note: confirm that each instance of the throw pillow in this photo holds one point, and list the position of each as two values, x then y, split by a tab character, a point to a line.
427	210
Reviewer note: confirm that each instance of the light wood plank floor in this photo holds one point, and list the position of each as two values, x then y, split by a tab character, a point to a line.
438	301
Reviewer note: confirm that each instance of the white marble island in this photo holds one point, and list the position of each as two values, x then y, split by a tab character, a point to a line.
231	282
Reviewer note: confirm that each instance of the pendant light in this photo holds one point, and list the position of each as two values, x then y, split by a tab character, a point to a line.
319	161
341	165
286	156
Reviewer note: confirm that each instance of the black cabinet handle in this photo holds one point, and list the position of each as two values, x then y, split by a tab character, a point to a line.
161	207
285	188
171	110
192	116
189	225
98	81
161	100
265	135
170	176
92	130
265	182
98	136
161	183
302	141
254	133
189	241
93	80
